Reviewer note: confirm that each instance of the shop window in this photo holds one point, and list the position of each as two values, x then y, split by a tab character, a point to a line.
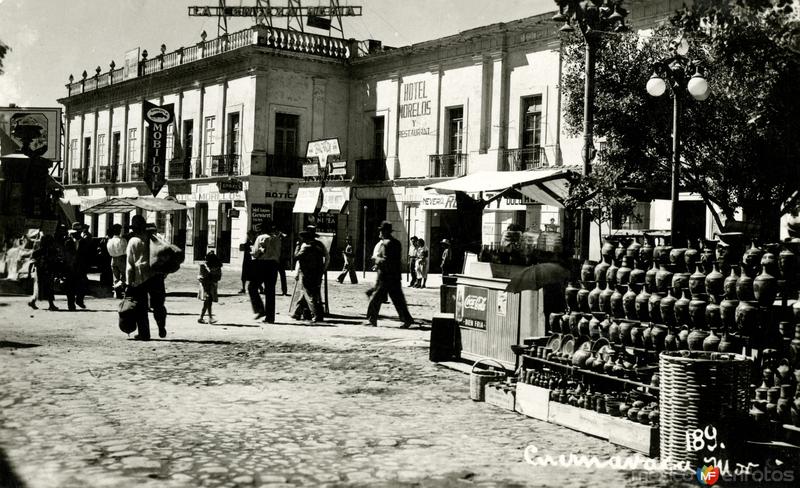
286	126
531	136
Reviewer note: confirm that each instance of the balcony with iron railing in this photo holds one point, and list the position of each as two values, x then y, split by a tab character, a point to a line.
284	166
137	172
448	165
260	35
107	174
371	170
225	165
79	176
524	159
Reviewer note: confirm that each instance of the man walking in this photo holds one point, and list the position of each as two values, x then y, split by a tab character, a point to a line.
311	258
412	261
138	275
76	260
117	246
389	280
349	265
156	291
266	257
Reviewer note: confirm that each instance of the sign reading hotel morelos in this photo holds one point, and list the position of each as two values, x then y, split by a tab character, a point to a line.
415	106
158	119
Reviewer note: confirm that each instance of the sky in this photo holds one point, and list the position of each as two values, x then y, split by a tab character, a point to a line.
51	39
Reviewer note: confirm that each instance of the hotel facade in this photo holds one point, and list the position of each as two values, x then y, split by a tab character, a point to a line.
247	104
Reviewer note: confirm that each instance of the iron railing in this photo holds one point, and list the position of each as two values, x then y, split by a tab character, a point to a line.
137	172
371	169
79	176
180	168
448	165
225	165
107	174
524	159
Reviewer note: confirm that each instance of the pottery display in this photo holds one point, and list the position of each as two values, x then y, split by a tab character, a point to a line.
697	281
642	310
605	298
667	306
697	310
729	285
744	287
587	271
594	297
616	308
747	316
583	298
696	338
663	278
715	282
629	301
765	288
681	309
654	307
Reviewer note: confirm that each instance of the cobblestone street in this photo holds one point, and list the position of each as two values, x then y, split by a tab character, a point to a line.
242	403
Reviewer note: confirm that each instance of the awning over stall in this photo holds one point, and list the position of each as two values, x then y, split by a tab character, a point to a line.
128	204
548	187
334	198
307	200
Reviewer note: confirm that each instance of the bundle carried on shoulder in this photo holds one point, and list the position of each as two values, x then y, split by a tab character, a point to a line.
164	257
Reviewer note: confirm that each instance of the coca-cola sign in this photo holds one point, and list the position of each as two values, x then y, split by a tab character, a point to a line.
472	307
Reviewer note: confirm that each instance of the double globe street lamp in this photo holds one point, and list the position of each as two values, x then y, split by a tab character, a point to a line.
680	75
593	18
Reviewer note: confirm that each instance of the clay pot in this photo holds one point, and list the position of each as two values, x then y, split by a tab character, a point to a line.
574	318
637	275
619	251
783	408
671	341
683	338
647	333
696	338
654	307
729	343
796	311
711	343
727	312
571	296
680	282
729	285
587	271
661	254
605	298
677	260
713	316
617	309
624	272
583	298
650	277
607	251
605	326
752	257
632	251
715	282
681	309
600	271
667	306
637	339
691	257
697	282
744	287
646	252
707	256
594	297
765	288
629	302
614	332
747	317
625	333
555	321
663	279
611	274
697	310
658	335
593	327
579	358
642	311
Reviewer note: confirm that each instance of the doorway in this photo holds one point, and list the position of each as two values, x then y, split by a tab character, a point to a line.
223	237
284	219
200	237
372	212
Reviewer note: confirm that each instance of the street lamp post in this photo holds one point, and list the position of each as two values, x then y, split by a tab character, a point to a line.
593	17
674	73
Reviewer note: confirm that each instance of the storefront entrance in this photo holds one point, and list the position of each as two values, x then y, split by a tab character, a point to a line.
371	213
200	237
223	237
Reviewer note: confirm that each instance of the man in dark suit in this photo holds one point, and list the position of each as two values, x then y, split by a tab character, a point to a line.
390	279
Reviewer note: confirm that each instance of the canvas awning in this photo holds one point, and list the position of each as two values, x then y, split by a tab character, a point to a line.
548	187
128	204
307	200
335	198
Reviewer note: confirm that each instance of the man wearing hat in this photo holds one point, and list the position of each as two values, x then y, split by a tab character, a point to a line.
266	254
447	259
311	257
390	279
138	278
76	260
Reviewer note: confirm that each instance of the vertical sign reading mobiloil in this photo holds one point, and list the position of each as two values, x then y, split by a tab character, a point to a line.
157	118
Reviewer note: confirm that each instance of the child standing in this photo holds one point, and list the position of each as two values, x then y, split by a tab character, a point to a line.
210	274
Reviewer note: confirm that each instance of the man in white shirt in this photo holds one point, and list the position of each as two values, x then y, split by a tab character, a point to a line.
117	247
266	253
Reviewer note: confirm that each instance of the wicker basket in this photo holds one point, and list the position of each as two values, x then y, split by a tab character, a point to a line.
700	389
479	377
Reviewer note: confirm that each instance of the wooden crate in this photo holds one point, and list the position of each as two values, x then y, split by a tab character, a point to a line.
532	401
623	432
500	395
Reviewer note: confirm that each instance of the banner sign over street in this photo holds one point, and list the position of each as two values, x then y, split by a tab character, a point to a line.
158	119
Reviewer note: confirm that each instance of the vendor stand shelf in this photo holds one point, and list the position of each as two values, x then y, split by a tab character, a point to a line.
575	369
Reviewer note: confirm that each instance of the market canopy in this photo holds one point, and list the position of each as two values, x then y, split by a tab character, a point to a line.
128	204
549	186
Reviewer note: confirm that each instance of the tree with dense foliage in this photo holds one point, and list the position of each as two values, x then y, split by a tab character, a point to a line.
740	148
3	50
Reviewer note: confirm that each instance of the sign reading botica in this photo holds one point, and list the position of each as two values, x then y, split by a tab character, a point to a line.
158	119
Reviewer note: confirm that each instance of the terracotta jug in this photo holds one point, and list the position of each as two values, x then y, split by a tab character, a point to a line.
571	296
607	251
587	271
629	301
613	332
680	282
729	343
594	297
729	285
637	275
605	326
593	329
642	311
555	322
600	271
707	255
713	316
765	288
625	333
697	310
752	258
605	298
747	317
646	252
654	307
658	335
650	277
727	312
769	260
632	251
617	309
663	279
667	306
697	281
624	271
670	341
711	343
583	298
715	282
611	273
677	260
696	338
744	287
681	309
